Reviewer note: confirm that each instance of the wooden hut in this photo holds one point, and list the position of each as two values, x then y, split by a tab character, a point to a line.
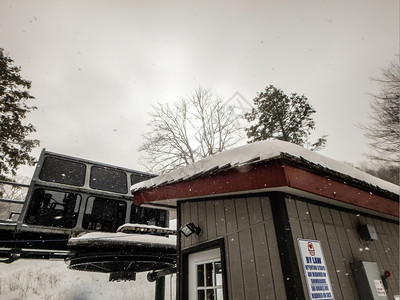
272	220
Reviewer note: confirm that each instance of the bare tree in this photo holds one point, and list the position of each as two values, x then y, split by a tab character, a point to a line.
184	132
383	128
12	192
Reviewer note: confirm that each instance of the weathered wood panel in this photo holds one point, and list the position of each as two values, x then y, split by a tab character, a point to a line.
338	262
202	216
280	292
337	231
242	214
220	218
186	242
236	286
211	225
195	219
248	265
230	216
266	208
251	251
255	210
321	235
263	263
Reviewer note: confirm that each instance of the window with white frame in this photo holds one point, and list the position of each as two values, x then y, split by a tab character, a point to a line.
205	275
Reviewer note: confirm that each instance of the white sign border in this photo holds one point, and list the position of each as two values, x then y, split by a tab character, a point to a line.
305	271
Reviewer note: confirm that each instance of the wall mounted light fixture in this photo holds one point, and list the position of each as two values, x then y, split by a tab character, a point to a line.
367	232
189	228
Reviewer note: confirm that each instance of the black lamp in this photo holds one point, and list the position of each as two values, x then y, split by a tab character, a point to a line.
189	228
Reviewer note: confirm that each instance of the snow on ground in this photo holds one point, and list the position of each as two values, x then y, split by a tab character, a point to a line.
51	280
259	151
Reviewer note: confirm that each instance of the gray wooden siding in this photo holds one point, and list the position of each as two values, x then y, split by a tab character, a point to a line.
337	231
252	255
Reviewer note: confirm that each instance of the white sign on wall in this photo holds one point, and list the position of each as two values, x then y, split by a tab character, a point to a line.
315	271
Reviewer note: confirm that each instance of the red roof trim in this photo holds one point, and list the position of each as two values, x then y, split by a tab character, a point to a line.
306	181
266	175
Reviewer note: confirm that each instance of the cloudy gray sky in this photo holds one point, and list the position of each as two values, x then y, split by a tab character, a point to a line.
97	66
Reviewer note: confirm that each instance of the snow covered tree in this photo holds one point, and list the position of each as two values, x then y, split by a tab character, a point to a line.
14	145
282	117
383	129
198	126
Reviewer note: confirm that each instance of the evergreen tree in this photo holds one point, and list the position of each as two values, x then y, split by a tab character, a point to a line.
14	145
281	117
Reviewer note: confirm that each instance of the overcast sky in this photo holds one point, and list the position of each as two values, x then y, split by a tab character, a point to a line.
97	66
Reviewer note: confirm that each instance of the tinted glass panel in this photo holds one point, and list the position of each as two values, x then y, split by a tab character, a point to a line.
200	275
209	274
104	214
200	295
53	208
63	171
149	216
135	178
107	179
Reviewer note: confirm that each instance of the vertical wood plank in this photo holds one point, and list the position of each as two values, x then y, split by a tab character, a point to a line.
322	237
279	285
337	219
228	270
230	215
326	215
339	262
347	258
291	208
186	241
254	209
194	238
211	225
202	214
266	208
263	263
378	226
242	213
315	213
355	246
346	219
220	218
235	264
248	265
307	230
302	210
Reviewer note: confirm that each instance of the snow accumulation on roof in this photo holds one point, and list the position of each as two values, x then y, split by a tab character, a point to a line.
261	151
146	240
112	238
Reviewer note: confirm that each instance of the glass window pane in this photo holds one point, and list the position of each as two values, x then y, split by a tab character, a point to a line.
135	178
200	295
63	171
218	273
104	214
53	208
200	276
210	295
220	294
149	216
108	179
209	274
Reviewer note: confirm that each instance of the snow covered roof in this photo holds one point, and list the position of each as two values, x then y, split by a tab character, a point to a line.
263	151
109	238
141	239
